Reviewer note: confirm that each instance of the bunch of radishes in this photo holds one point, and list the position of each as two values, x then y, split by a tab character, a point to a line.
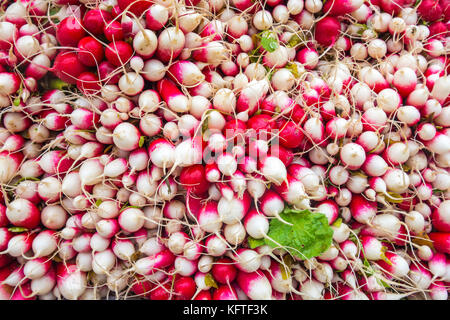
148	149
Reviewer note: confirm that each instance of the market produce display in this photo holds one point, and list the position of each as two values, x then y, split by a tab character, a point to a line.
224	149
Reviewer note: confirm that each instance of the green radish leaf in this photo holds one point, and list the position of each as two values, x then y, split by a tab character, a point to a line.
383	283
124	206
385	259
405	168
292	67
168	185
359	173
394	197
270	73
337	223
269	41
141	141
205	125
54	11
58	84
307	237
210	282
285	267
27	178
108	148
254	243
353	238
17	229
254	55
98	202
362	28
369	270
294	41
136	256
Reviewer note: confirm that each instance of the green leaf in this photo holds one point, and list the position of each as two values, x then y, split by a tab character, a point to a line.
353	238
383	283
254	55
98	202
17	229
136	256
210	282
58	84
359	173
270	73
394	197
141	141
108	148
54	10
168	185
307	237
285	267
337	223
292	67
205	125
362	28
136	207
369	269
423	239
124	206
27	178
385	259
269	41
254	243
294	41
405	167
16	102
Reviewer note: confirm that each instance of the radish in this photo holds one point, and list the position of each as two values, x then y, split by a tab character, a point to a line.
327	31
255	285
37	268
71	282
225	293
131	219
273	170
145	43
247	260
342	8
170	43
146	265
441	241
224	271
23	213
352	155
175	100
232	211
43	285
362	210
44	244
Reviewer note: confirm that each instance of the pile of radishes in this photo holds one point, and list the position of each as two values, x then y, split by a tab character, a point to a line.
150	148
